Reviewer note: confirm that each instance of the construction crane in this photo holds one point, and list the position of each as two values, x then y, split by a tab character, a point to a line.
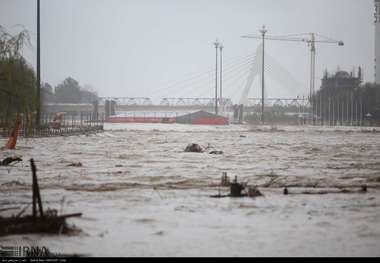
311	40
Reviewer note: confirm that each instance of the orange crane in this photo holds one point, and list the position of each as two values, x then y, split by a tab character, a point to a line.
311	40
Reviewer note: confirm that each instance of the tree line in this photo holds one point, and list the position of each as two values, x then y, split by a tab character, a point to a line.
17	79
18	83
68	91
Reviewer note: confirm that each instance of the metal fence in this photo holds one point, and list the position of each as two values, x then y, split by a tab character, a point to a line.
70	124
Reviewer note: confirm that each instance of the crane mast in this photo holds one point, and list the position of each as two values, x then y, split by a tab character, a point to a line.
311	42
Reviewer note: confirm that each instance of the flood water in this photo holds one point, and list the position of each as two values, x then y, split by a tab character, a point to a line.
142	195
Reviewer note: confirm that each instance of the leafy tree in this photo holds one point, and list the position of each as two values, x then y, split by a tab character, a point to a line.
17	78
47	93
88	95
68	91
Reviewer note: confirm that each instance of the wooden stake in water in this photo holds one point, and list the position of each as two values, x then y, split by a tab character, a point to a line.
36	192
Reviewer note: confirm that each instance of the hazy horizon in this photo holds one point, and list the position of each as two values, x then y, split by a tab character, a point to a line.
160	48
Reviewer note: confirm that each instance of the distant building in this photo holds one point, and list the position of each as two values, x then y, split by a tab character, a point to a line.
338	101
341	80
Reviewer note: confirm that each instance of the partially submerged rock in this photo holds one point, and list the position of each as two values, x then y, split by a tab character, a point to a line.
254	192
76	164
216	152
194	148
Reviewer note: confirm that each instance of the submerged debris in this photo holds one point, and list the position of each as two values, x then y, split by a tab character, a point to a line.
216	152
236	189
254	192
194	148
7	161
363	189
225	180
48	222
75	164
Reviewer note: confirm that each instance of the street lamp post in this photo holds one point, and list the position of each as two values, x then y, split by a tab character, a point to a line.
38	116
263	31
216	43
221	77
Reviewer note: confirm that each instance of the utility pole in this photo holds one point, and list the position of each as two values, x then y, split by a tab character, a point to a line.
263	31
38	116
311	43
352	108
312	76
216	43
221	77
320	108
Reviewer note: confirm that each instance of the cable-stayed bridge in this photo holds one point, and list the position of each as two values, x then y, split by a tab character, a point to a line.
241	85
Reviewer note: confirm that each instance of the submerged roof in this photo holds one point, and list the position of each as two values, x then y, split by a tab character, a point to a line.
201	114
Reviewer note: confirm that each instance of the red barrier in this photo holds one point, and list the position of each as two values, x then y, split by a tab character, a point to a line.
140	120
210	121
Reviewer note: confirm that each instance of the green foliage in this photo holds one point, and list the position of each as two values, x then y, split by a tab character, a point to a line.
11	45
17	78
68	91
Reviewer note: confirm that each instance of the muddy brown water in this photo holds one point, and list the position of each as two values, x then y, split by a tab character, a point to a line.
141	195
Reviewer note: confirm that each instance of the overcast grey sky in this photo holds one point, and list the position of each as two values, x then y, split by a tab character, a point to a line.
150	47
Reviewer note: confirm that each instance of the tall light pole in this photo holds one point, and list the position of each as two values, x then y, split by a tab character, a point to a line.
38	116
221	76
216	43
263	31
310	41
312	76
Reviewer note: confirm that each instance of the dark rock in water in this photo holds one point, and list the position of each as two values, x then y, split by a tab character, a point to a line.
236	189
216	152
286	192
243	136
9	160
254	192
76	164
194	148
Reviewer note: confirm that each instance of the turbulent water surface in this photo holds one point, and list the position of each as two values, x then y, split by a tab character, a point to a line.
142	195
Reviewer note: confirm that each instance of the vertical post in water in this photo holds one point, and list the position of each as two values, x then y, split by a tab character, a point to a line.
342	112
347	119
352	109
329	111
361	111
38	116
333	112
34	197
36	191
356	113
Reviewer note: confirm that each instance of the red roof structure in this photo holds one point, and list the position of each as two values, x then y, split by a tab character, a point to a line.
202	118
